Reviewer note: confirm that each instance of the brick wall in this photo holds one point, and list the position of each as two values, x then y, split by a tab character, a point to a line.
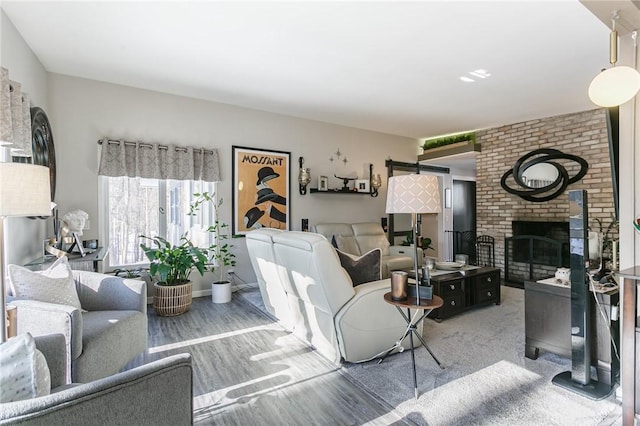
583	134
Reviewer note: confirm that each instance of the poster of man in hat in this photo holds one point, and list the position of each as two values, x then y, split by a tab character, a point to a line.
261	189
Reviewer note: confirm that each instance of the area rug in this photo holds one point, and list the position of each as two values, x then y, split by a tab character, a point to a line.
486	380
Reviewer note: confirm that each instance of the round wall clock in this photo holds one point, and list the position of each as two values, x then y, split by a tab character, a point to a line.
44	153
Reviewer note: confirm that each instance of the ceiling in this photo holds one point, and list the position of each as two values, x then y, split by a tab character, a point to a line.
391	67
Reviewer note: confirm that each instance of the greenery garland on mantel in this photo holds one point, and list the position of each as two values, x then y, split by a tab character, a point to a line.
448	140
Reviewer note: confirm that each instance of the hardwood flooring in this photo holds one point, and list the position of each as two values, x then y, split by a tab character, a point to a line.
249	371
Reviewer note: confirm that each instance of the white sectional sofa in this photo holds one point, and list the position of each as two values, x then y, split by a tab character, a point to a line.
359	238
342	322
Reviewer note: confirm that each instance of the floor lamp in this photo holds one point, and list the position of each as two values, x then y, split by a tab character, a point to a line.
415	194
24	191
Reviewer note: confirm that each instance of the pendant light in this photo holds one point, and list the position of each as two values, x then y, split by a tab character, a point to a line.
616	85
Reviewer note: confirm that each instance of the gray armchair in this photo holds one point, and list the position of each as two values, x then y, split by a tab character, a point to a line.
158	393
109	332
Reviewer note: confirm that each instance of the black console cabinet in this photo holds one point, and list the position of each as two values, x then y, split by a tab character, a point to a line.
548	326
466	289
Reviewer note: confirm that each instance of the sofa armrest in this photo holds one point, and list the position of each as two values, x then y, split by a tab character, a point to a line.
405	251
40	318
158	393
367	326
53	347
101	292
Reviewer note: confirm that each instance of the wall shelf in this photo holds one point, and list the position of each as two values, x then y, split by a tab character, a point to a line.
337	191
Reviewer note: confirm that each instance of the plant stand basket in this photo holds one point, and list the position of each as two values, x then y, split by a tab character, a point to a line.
170	301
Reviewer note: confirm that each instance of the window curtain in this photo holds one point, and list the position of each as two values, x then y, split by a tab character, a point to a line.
136	159
15	117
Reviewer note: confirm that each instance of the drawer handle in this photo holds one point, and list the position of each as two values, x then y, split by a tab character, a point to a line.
453	303
489	279
452	286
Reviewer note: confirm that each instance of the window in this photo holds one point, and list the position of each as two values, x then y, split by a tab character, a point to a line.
132	207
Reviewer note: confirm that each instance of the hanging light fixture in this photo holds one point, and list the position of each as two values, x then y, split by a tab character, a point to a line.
616	85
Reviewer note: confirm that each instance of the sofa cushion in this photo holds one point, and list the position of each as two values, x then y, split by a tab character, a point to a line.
361	269
348	244
23	370
54	285
369	242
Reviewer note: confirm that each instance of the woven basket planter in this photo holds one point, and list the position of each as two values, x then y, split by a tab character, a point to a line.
173	300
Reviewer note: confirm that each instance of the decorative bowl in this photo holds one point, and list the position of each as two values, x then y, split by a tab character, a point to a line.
448	266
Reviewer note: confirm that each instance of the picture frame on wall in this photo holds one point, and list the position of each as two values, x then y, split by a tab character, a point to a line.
323	183
362	185
261	189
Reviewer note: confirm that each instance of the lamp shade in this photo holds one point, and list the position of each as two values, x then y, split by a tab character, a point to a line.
413	194
24	190
614	86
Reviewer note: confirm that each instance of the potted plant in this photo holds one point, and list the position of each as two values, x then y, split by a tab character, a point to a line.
219	251
171	265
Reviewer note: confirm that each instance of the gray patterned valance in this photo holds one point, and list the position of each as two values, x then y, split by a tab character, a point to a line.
120	158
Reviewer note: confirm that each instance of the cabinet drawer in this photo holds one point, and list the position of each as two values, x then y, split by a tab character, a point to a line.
487	281
452	305
484	295
450	288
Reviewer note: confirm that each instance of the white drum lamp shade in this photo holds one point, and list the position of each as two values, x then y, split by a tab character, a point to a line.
24	191
413	194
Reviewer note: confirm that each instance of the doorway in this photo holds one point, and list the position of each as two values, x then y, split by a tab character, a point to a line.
463	204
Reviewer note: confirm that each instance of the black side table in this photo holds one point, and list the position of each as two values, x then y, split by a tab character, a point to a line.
427	305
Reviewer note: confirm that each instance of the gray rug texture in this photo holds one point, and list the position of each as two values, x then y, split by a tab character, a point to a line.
486	380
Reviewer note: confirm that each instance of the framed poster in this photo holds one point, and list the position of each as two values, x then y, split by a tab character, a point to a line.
261	181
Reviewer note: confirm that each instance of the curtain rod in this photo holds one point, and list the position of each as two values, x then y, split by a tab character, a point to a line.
147	145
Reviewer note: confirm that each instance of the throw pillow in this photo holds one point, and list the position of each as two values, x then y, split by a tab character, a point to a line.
55	285
347	244
24	372
361	269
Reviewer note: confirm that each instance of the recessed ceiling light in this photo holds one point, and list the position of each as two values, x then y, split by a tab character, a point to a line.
478	74
467	79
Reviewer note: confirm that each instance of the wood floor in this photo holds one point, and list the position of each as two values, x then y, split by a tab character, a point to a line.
249	371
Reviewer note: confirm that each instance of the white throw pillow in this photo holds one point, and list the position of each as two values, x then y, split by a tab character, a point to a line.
24	372
55	285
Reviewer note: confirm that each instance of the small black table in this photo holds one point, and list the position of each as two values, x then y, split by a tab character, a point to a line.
427	305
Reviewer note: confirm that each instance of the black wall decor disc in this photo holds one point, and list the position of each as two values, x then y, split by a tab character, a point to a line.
44	153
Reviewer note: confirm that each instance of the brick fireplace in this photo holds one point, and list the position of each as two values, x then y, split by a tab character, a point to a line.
583	134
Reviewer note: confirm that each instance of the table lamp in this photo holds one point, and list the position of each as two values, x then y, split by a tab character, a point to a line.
415	194
24	191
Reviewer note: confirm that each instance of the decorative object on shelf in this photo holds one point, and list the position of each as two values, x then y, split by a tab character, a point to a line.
538	185
415	194
345	182
449	140
24	191
304	177
261	185
323	183
362	185
616	85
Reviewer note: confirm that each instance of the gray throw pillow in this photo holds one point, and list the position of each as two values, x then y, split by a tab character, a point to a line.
361	269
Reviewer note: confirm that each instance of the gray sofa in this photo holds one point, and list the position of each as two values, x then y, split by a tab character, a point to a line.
359	238
158	393
105	335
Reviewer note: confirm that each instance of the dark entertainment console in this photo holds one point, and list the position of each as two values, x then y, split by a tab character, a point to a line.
548	326
464	290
